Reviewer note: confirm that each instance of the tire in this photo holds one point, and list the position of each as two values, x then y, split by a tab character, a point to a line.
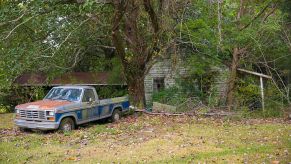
23	129
116	115
67	124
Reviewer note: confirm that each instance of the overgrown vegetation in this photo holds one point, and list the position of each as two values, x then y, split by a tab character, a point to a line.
15	95
125	38
111	91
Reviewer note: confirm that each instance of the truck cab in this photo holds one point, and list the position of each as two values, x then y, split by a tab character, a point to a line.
65	107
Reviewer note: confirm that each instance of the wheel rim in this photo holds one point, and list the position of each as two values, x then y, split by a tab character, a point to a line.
116	116
67	127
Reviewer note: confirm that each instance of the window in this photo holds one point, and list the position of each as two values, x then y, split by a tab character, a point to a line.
88	93
68	94
159	84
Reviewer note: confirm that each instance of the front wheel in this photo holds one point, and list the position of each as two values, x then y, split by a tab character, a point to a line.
116	115
67	124
21	129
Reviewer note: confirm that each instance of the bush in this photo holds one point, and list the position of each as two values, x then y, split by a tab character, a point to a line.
171	96
5	109
249	100
267	113
111	91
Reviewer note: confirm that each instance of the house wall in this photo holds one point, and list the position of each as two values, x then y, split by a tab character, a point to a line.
163	69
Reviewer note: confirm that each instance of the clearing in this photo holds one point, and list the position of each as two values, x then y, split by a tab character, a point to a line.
151	139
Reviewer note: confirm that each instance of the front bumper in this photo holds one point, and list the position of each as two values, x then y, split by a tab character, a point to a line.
36	124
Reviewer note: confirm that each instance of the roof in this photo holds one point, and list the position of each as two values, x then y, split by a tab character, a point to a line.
31	79
75	86
71	78
82	78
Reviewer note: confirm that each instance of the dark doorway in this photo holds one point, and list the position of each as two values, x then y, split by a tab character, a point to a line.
159	84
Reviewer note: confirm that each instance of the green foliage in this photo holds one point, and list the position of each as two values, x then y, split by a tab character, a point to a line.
272	111
116	73
11	97
170	96
198	84
248	91
4	109
101	129
110	91
56	36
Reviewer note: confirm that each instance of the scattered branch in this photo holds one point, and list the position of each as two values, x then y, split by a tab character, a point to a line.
7	36
60	45
12	21
75	60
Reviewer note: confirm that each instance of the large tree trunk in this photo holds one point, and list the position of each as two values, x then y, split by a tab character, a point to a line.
133	49
136	92
234	63
232	78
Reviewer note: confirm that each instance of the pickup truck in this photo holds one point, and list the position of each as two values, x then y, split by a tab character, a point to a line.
65	107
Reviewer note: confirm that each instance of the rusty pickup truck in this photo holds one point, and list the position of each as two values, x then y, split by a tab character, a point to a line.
65	107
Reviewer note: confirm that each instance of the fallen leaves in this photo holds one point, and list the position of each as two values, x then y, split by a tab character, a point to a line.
154	137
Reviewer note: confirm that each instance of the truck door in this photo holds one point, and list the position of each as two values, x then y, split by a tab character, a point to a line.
90	106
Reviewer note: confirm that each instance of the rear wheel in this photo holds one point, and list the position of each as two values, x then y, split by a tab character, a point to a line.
116	115
67	124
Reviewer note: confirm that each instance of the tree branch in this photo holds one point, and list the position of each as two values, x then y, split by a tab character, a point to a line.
15	20
120	7
155	24
60	45
7	36
257	16
153	16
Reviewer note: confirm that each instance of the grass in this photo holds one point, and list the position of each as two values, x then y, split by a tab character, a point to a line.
148	139
6	120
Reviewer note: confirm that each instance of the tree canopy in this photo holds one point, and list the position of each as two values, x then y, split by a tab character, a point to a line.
126	37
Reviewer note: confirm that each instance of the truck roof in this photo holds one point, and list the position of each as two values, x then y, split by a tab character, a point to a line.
76	86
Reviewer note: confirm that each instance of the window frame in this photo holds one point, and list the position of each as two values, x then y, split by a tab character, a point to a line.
93	99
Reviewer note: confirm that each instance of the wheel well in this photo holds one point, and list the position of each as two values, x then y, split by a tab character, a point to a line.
72	117
117	108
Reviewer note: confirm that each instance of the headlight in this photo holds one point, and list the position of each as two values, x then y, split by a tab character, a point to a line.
50	113
17	111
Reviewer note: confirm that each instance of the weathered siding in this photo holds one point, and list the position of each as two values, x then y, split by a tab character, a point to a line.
163	69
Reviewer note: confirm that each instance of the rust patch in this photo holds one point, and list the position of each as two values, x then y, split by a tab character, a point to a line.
43	104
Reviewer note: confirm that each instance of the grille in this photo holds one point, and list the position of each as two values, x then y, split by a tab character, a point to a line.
32	114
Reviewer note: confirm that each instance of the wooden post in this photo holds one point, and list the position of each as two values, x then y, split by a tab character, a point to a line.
261	81
262	93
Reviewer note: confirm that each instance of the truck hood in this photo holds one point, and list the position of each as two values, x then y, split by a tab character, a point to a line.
44	104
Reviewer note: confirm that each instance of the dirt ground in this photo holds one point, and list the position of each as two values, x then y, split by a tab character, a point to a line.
151	139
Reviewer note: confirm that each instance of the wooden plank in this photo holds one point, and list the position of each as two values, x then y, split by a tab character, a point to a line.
255	73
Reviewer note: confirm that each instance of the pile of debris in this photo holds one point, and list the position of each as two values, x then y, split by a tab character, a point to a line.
191	107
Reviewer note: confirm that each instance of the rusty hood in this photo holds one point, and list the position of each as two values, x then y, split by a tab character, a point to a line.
43	104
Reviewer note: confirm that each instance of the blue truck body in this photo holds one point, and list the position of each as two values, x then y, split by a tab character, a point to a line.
49	113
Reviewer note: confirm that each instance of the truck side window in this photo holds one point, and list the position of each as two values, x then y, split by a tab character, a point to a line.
88	93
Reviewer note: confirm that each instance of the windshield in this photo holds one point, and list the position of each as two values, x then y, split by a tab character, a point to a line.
68	94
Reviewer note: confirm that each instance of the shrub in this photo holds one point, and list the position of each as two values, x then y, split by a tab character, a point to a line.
171	96
4	109
111	91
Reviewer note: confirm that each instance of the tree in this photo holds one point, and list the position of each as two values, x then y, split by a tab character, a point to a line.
236	34
52	37
54	30
138	39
